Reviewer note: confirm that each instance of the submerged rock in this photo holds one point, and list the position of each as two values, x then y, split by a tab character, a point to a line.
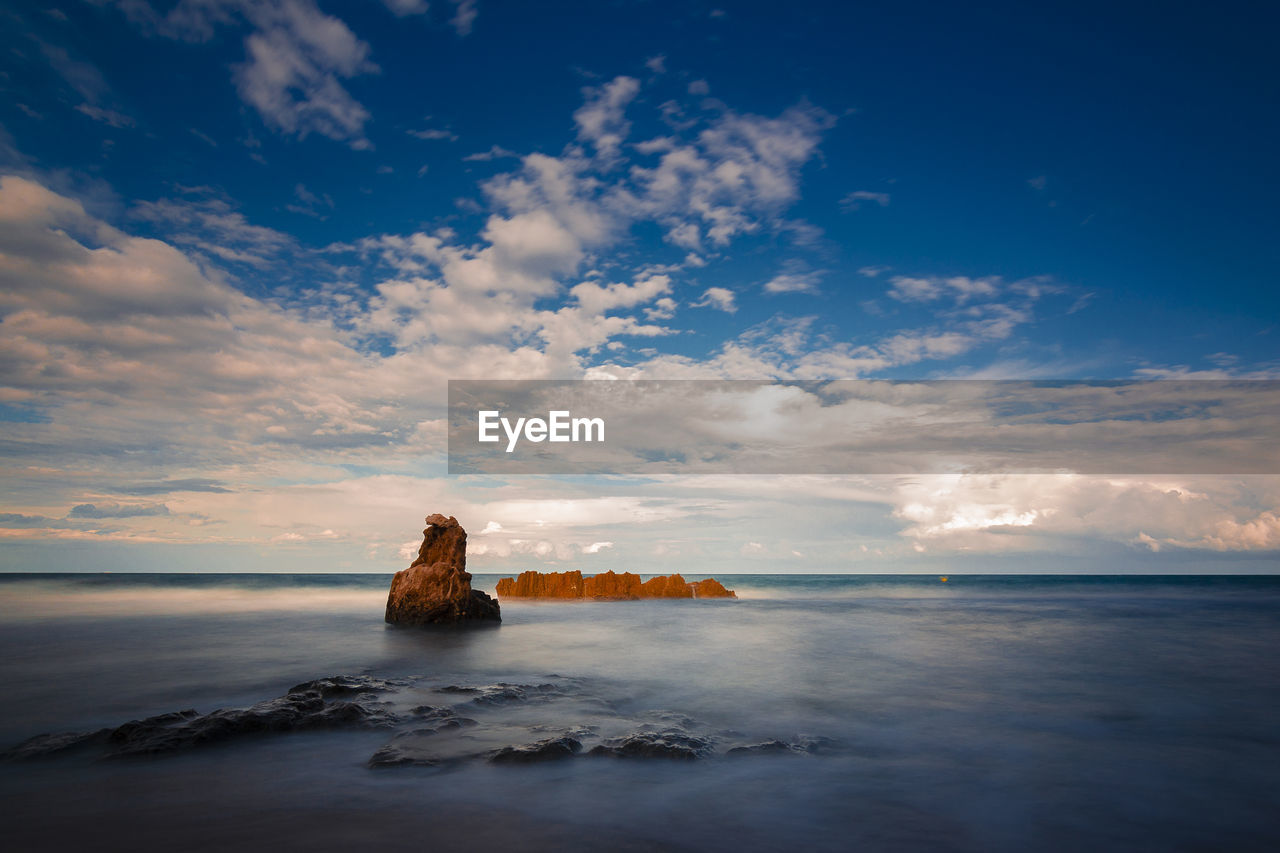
668	744
436	588
769	747
502	723
608	586
311	705
551	749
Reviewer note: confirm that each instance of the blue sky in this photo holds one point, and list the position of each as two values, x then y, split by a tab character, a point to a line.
244	245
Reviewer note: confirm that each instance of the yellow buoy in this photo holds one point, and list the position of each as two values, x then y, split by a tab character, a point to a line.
942	578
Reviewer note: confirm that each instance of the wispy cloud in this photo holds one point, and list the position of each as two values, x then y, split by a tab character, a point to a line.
855	200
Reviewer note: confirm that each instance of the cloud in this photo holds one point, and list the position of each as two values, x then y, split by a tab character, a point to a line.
854	200
434	133
794	282
739	171
106	116
720	298
114	510
464	16
83	77
405	8
597	299
931	288
294	62
601	120
495	152
596	547
209	223
295	59
1042	512
143	354
165	487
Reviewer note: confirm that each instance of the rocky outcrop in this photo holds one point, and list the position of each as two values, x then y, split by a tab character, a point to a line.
710	588
668	586
502	723
444	541
608	586
436	588
672	743
548	749
326	703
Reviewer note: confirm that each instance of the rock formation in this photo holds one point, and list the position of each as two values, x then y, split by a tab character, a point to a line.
608	586
436	588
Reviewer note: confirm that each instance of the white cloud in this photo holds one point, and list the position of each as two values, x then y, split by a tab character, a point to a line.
295	59
602	119
930	288
793	282
291	74
720	298
145	354
596	299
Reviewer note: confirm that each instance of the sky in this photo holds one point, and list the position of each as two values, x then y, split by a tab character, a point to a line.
244	246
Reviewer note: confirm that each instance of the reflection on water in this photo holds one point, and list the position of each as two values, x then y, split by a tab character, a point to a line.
973	715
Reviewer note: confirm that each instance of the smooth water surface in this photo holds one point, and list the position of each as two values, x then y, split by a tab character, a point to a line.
984	713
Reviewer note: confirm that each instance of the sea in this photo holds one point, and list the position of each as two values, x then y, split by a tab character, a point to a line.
813	712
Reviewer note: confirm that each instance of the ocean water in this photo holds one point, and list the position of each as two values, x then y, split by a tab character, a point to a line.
984	713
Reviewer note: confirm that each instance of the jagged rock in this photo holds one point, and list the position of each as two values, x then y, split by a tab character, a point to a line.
307	706
46	745
436	588
669	586
444	541
668	744
710	588
540	585
607	586
550	749
769	747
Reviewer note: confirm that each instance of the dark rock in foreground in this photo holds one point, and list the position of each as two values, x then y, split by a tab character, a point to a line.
551	749
436	588
608	586
501	723
313	705
668	744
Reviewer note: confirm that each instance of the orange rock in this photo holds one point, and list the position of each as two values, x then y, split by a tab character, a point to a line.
625	586
539	585
436	588
710	588
607	586
444	541
670	586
